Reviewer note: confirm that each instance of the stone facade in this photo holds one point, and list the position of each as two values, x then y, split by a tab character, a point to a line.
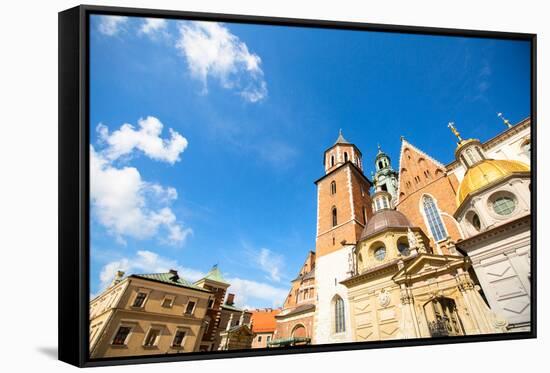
331	270
145	316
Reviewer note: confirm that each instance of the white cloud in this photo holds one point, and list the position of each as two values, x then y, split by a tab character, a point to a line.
146	138
127	206
111	25
248	292
152	26
270	263
251	293
142	262
211	50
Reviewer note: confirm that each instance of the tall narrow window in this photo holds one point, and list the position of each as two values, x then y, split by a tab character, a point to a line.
333	187
190	308
339	317
151	338
334	217
331	160
345	156
434	218
365	215
178	338
140	299
121	335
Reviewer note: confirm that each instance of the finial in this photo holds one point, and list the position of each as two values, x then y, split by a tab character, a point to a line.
506	121
451	125
402	138
379	149
340	132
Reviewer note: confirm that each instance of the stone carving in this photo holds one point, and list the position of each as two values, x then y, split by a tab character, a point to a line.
406	297
384	298
413	242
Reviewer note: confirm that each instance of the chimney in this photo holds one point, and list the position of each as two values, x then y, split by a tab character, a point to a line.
174	275
118	277
230	299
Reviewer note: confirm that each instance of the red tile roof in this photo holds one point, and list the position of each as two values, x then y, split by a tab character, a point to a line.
263	320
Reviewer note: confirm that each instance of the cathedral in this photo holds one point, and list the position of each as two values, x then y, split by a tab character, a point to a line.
423	250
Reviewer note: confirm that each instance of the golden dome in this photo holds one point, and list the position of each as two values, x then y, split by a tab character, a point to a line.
487	172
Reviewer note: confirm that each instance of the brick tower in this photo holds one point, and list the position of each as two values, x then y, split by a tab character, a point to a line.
343	208
343	201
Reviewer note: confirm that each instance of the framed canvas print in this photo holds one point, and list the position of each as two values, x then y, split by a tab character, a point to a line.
235	186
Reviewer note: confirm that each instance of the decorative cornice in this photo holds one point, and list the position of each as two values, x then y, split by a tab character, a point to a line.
499	138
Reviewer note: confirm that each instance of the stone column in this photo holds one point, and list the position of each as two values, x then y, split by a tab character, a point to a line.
408	315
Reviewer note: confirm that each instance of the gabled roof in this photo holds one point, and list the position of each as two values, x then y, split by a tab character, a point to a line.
405	144
170	279
428	265
308	307
215	275
242	329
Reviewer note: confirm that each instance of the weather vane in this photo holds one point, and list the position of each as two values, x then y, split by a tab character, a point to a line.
451	125
506	121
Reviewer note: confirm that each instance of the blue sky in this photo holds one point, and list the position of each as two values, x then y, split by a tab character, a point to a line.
206	138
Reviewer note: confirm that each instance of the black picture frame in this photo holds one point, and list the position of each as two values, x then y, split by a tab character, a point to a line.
74	233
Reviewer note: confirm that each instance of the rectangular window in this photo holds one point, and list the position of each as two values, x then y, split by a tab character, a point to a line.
268	338
259	338
168	302
210	303
140	299
152	337
190	308
178	339
121	335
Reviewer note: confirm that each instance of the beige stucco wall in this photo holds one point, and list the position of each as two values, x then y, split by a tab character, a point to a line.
151	314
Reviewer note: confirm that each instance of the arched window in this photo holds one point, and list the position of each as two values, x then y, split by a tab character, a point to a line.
331	160
339	317
333	187
380	165
334	217
345	156
380	253
365	215
434	218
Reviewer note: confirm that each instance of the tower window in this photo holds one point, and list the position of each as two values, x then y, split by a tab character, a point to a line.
334	217
339	317
331	160
365	215
345	156
380	165
434	218
333	187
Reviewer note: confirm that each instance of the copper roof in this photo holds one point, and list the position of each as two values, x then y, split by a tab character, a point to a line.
383	220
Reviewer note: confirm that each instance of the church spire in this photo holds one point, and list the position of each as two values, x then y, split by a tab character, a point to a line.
341	139
455	132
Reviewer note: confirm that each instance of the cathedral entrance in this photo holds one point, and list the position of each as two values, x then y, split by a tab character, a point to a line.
442	318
